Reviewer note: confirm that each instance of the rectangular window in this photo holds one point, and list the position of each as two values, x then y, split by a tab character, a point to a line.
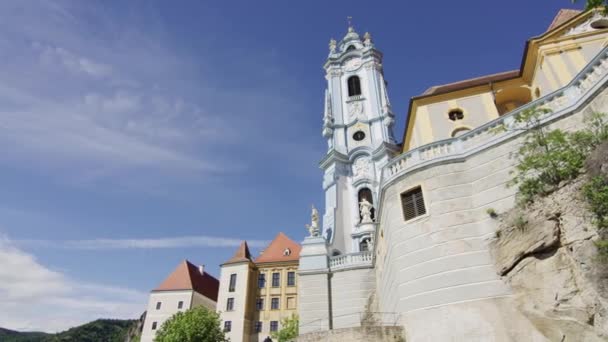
232	285
158	305
153	325
262	280
276	279
230	304
259	304
291	278
274	304
180	304
291	303
412	203
227	326
274	325
258	327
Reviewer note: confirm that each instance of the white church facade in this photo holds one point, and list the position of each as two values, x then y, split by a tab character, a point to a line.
405	232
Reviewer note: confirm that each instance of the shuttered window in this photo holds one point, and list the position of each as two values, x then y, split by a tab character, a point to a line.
412	203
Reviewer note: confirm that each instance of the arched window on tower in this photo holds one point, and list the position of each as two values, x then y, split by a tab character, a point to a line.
354	86
367	194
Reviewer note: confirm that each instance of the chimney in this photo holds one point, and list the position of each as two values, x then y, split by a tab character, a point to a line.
201	269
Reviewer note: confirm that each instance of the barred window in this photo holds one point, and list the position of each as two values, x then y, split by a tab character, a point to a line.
412	203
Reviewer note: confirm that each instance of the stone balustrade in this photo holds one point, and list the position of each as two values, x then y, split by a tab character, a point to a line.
352	260
557	102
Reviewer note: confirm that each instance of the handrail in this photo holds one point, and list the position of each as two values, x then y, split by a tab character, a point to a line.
350	260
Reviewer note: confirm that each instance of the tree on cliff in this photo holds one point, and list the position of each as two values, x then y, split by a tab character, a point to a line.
195	325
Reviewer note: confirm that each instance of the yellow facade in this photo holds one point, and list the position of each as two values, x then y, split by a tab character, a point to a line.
550	61
285	293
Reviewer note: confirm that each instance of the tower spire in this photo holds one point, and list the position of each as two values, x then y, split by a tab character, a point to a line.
349	19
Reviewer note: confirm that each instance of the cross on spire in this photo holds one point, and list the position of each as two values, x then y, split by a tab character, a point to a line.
350	23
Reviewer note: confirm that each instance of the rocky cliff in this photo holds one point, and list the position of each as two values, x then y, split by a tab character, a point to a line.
546	253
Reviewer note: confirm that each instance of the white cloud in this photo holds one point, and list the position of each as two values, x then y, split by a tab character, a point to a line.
54	56
37	298
171	242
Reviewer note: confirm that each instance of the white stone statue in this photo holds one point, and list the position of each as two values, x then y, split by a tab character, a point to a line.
332	45
367	39
365	208
313	227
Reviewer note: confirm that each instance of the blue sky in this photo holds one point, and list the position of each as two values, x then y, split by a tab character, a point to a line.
137	134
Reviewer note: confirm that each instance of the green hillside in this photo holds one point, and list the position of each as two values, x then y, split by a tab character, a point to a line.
101	330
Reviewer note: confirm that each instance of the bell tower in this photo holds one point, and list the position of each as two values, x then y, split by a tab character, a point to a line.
357	124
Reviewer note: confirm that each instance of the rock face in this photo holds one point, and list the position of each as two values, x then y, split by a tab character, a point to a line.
547	255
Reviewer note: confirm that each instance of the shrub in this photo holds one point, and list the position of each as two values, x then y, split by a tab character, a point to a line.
195	325
596	193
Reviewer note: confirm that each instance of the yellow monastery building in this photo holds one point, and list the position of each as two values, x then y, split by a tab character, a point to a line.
256	294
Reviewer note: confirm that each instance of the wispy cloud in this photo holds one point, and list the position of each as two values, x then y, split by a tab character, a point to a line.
59	301
171	242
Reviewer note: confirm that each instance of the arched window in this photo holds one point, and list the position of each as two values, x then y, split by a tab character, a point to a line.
367	194
460	131
350	48
354	86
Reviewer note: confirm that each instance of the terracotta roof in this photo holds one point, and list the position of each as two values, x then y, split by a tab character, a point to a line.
187	276
275	252
446	88
562	16
242	254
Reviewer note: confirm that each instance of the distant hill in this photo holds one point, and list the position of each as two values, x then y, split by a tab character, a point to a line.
101	330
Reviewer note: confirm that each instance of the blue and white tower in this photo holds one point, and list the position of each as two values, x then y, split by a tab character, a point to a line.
357	124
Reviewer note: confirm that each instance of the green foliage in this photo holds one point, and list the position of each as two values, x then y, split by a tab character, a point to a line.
289	329
591	4
107	330
602	250
520	222
195	325
596	193
492	212
548	158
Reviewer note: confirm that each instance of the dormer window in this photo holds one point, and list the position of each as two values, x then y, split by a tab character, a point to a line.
600	24
350	48
456	114
354	86
287	252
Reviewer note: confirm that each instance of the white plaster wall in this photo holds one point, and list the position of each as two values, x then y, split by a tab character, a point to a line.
169	301
313	302
436	270
350	293
240	325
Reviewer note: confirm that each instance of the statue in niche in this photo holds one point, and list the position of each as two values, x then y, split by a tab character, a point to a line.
313	227
365	208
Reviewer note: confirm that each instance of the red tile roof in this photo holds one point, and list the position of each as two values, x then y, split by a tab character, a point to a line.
187	276
446	88
562	16
242	254
275	252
